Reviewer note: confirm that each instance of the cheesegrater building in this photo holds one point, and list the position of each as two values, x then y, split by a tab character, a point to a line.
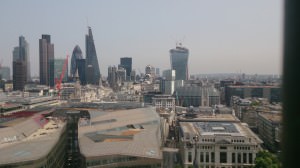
91	59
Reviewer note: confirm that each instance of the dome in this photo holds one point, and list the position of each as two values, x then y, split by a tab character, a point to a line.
77	54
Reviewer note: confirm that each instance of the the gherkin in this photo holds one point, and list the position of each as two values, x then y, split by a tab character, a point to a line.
76	55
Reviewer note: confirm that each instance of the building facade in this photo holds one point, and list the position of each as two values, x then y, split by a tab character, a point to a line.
46	54
21	68
5	72
91	59
24	55
269	128
76	55
126	63
81	65
272	93
164	102
197	96
179	62
58	67
213	144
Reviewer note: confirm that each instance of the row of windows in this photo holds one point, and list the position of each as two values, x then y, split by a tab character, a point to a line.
205	147
209	157
242	148
208	140
238	140
242	158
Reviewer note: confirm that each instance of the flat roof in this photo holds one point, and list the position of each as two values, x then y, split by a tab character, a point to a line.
272	116
234	129
134	132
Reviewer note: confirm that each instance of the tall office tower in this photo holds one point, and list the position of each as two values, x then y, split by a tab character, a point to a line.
179	62
77	54
126	63
81	65
24	55
20	64
46	61
112	76
58	67
91	59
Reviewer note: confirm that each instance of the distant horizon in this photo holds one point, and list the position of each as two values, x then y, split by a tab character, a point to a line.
222	37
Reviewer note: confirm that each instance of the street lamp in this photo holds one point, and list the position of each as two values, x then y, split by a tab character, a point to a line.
196	139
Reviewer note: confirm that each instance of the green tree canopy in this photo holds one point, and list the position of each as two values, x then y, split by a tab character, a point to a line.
265	159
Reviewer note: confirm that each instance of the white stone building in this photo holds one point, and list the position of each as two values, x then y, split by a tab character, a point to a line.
218	141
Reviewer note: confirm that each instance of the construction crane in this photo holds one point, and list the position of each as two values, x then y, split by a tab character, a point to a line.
58	81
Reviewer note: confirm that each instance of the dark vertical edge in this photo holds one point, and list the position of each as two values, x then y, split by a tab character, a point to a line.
291	85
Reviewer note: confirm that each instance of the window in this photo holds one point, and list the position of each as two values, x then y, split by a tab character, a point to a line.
233	158
223	147
244	157
201	157
207	157
239	158
250	158
212	157
190	157
223	157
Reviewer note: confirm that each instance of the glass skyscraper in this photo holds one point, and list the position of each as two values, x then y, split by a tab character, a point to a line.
24	55
126	63
179	62
92	64
77	54
21	65
46	61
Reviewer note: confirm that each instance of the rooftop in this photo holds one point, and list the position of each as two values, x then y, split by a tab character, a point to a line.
28	140
272	116
134	132
236	129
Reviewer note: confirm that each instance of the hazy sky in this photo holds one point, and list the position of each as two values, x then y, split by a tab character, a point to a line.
223	36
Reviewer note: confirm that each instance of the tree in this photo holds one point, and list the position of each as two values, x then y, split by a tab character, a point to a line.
265	159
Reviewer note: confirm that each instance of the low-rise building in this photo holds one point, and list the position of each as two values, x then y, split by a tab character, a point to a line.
163	102
34	142
122	138
269	129
217	141
197	96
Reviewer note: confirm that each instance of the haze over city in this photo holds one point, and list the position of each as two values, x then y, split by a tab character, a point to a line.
222	36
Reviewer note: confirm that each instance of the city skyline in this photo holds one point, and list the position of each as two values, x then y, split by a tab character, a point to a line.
233	37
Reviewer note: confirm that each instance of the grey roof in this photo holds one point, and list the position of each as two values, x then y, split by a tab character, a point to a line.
135	132
25	141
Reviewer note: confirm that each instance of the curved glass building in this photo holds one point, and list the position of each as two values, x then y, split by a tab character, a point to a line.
77	54
179	62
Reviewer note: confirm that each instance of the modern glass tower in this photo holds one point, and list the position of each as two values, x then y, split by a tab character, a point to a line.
91	59
126	63
179	62
77	54
46	61
24	55
21	65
